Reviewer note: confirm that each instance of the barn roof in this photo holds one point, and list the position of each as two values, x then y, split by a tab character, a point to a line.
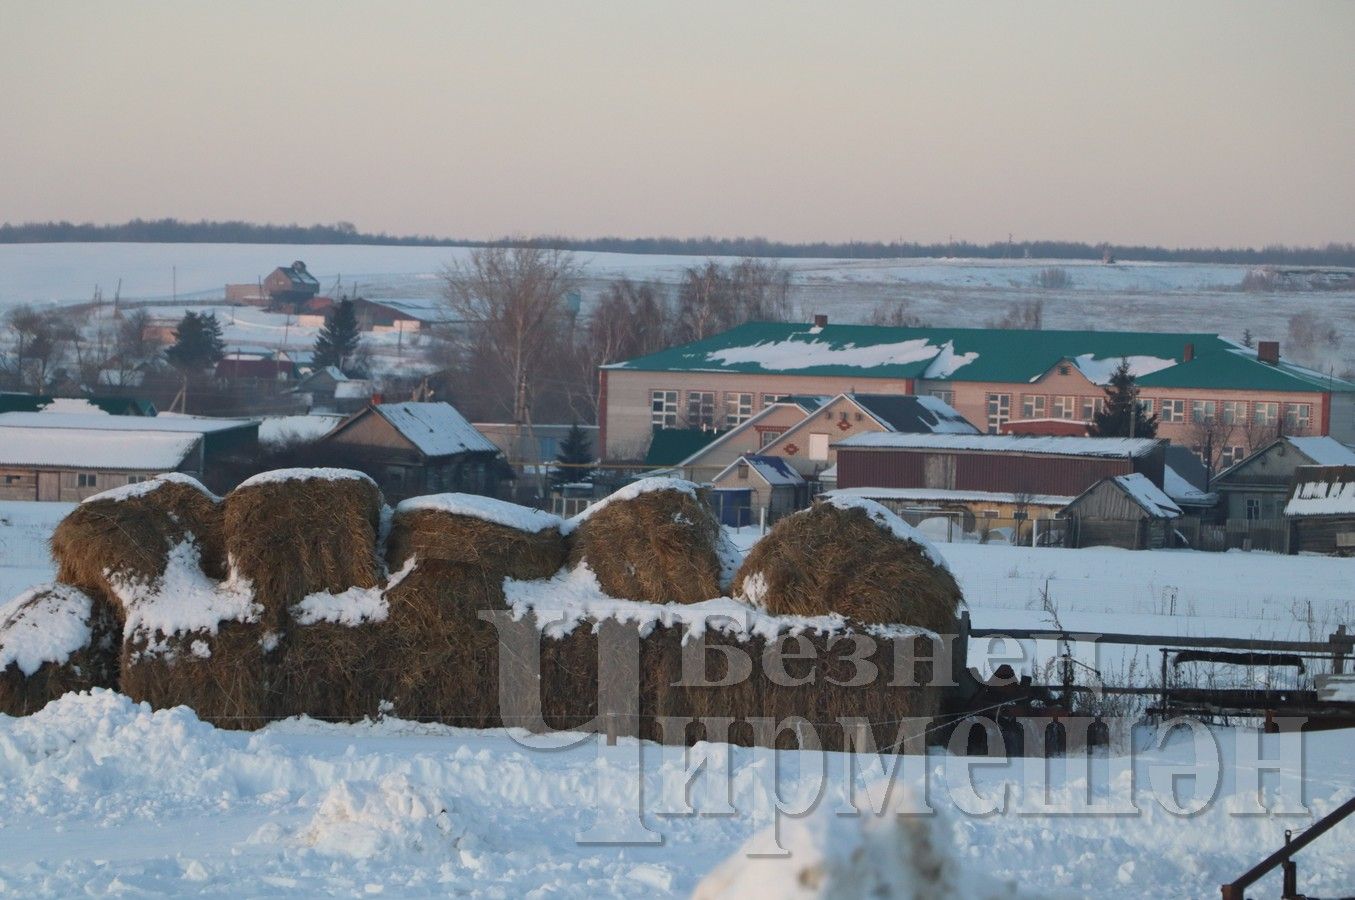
772	469
920	414
1052	445
436	429
128	448
1322	491
165	422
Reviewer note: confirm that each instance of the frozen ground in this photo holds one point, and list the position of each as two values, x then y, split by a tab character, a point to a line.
941	292
99	796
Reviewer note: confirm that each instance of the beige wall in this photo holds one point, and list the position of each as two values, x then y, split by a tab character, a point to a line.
22	483
715	459
626	420
830	426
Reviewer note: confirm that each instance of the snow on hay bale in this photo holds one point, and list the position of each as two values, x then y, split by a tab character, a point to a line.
461	548
654	540
126	534
296	532
195	642
53	639
855	558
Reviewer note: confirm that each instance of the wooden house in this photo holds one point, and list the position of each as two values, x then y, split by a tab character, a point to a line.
1321	510
419	448
756	487
1126	511
1258	487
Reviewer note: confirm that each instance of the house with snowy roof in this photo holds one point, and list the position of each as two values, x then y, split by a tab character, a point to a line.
419	448
1257	487
757	488
1321	510
1127	511
1196	383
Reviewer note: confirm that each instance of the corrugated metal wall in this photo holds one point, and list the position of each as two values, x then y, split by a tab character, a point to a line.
1002	473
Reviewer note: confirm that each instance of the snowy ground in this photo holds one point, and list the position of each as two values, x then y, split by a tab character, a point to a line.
101	797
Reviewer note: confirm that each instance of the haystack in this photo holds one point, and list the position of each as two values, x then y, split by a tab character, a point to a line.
854	558
295	532
462	547
195	642
54	639
653	540
124	536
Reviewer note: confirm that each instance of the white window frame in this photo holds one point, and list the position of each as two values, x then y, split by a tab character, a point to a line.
1064	406
946	397
1298	417
1090	406
738	407
1266	412
1204	411
701	409
1034	406
999	408
663	408
1234	412
1173	411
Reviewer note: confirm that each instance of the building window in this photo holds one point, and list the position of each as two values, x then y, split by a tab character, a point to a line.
1091	406
1234	412
818	447
743	471
137	479
770	435
1033	406
86	479
946	397
663	408
1173	411
1298	417
13	479
1231	456
700	409
1065	407
769	399
738	408
1203	411
999	412
1253	509
1265	413
1145	408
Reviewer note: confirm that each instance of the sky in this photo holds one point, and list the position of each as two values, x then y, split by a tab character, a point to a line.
1183	124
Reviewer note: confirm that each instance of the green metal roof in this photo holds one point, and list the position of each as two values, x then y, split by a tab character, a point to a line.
976	354
1241	370
671	446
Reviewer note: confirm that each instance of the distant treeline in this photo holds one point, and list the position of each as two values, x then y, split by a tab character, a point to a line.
175	231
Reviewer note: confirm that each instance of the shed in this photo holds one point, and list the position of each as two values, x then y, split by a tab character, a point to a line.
1257	487
1126	511
753	483
1321	510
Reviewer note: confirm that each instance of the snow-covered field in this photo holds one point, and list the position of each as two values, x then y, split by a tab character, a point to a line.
99	796
940	292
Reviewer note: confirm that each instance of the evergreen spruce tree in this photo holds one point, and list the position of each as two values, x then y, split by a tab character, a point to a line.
574	462
338	339
1247	340
198	343
1122	412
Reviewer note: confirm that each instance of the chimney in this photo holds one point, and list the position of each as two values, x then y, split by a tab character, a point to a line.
1189	353
820	320
1268	352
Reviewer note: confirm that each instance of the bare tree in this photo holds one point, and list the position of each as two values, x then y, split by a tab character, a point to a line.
511	300
1209	437
715	298
896	313
38	337
1313	340
1027	315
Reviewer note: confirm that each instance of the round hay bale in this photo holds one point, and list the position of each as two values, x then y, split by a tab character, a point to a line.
854	558
294	532
54	639
126	534
654	540
480	532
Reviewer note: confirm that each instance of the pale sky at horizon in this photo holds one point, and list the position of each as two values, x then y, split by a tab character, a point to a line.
1201	123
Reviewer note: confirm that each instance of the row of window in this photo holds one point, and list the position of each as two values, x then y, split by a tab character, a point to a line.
1298	417
703	409
82	479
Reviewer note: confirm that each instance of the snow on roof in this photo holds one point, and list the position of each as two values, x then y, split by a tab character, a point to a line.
44	624
88	421
773	469
791	354
1323	492
1182	491
1098	370
326	474
888	521
437	429
352	389
73	405
66	447
829	474
141	488
947	362
280	429
1056	445
1324	451
630	492
944	495
488	509
915	414
1148	495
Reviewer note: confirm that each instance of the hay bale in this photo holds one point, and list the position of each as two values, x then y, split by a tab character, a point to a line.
193	642
654	541
854	558
124	536
54	639
480	532
295	532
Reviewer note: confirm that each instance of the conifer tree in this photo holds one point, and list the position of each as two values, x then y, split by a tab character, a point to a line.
198	343
1122	413
338	339
574	461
